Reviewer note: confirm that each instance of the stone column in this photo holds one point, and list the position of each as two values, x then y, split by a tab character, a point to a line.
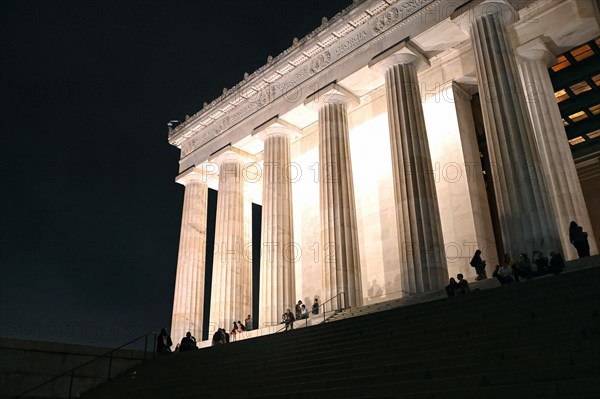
228	285
277	266
459	180
188	302
418	217
556	158
526	219
341	261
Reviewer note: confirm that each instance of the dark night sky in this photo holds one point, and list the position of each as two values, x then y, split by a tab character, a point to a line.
89	211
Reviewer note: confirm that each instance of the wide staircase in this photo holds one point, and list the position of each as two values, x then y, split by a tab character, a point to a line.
536	339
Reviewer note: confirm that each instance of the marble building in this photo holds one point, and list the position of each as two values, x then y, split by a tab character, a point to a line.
384	147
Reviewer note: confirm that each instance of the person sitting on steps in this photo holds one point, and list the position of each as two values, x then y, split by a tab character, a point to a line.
451	287
557	263
188	343
289	319
505	274
303	312
463	285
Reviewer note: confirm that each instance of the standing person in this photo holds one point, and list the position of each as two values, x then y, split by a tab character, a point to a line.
248	323
163	342
479	265
298	309
289	319
315	307
579	239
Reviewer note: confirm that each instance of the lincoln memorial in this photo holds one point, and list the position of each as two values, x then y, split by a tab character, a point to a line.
384	148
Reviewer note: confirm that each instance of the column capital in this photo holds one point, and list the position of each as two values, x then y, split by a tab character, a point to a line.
202	173
537	50
276	127
231	154
400	54
331	94
480	9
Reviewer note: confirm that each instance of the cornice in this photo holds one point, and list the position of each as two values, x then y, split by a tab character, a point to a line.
361	23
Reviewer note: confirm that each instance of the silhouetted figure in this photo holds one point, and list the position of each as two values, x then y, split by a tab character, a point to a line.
289	319
579	239
315	307
451	287
188	343
507	261
541	263
495	272
163	342
234	330
218	337
479	265
557	263
225	336
248	323
524	268
463	285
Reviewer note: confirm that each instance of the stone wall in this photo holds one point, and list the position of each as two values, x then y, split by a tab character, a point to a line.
25	364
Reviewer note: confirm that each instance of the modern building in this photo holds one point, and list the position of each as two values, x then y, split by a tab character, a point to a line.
385	147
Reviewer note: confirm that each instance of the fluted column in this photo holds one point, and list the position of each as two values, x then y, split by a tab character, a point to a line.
526	218
556	158
341	262
188	303
277	267
228	285
417	211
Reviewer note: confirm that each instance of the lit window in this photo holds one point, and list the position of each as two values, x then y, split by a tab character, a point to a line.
596	80
577	116
594	134
561	63
583	52
580	87
576	140
595	109
561	95
565	123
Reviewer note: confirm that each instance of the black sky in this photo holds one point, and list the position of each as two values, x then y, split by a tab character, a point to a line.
89	211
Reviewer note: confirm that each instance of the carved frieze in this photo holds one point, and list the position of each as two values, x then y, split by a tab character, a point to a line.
386	19
320	62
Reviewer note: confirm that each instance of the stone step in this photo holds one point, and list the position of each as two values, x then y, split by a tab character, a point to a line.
495	350
537	339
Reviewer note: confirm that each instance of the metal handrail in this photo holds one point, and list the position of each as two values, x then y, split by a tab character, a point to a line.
107	354
345	300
